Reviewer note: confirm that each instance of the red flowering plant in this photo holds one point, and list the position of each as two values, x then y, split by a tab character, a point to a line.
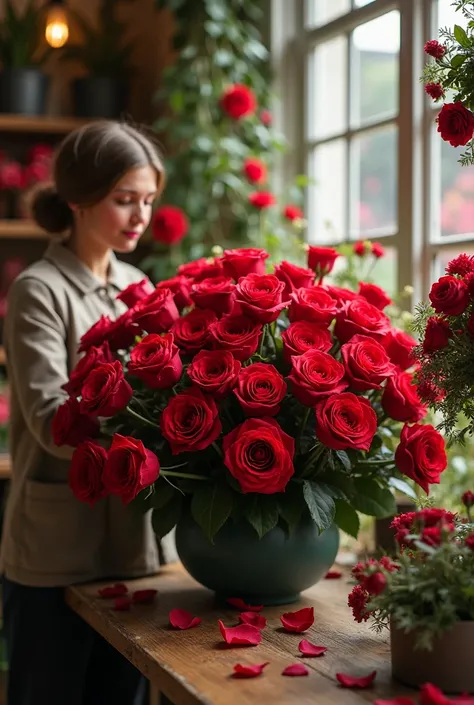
247	394
451	70
427	586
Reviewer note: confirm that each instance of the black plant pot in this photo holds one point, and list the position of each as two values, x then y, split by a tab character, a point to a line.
99	96
23	91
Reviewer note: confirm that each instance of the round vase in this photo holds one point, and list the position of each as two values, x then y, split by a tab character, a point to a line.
449	665
271	571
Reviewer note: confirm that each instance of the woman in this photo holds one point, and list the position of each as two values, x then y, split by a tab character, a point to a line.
106	177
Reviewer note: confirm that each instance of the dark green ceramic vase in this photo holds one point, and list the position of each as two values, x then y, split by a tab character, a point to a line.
271	571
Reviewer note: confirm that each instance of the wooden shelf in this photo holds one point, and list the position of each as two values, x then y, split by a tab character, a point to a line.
5	466
41	124
3	357
23	229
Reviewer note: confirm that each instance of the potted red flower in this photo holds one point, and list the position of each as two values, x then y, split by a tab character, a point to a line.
257	412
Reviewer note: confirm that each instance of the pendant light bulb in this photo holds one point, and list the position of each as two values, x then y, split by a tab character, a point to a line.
57	29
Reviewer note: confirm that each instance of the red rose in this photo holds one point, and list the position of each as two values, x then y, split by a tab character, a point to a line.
421	454
259	454
129	468
214	372
321	260
156	313
362	248
469	542
468	499
292	213
435	49
314	375
69	427
262	199
312	304
135	292
190	422
266	117
216	294
242	261
86	471
123	331
169	225
238	101
455	124
203	268
238	334
255	170
105	390
437	334
339	294
377	250
346	421
294	277
434	90
260	389
400	400
367	363
156	361
180	287
449	295
399	346
375	295
302	336
191	332
93	357
96	334
359	316
11	176
259	297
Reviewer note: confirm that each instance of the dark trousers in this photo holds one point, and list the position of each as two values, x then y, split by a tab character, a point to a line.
55	658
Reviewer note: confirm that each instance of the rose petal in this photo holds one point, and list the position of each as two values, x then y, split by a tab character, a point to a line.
396	701
113	590
354	682
333	575
309	649
298	621
122	604
431	695
182	619
243	634
296	669
241	605
254	619
144	596
244	671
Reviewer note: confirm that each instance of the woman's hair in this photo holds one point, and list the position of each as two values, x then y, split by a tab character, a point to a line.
87	165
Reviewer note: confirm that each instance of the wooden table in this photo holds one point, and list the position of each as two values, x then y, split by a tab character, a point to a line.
194	667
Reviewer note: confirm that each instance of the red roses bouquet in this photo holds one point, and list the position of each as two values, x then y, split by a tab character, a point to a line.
240	393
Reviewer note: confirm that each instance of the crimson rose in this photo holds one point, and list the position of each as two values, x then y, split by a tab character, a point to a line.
421	454
135	292
346	421
243	261
203	268
94	356
259	297
238	101
260	390
129	468
96	335
437	334
180	287
86	472
156	361
156	313
359	316
70	427
455	124
191	332
105	391
400	400
375	295
339	294
312	304
216	294
214	372
239	334
190	422
302	336
294	277
314	375
399	346
367	363
169	225
259	454
449	295
321	259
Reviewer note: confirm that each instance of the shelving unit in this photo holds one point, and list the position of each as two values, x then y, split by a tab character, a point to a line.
21	230
42	124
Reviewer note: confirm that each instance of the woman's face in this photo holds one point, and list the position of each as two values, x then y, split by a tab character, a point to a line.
119	220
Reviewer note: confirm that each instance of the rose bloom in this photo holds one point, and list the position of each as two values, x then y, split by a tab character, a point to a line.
169	225
360	317
255	170
216	294
156	313
434	90
135	292
302	336
85	472
377	250
400	400
345	421
105	391
260	390
262	199
243	261
455	124
192	331
259	454
462	264
375	295
435	49
124	330
314	375
362	248
292	213
70	427
399	346
215	372
238	101
312	304
260	297
190	422
156	361
366	362
437	334
321	259
202	268
129	468
449	295
421	454
94	356
294	277
340	295
180	287
96	334
239	334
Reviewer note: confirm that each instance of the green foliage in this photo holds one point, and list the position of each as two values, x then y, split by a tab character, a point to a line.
20	38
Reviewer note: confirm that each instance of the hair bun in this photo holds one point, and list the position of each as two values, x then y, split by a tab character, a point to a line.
50	211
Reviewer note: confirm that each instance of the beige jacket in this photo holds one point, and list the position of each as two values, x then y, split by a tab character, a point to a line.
49	537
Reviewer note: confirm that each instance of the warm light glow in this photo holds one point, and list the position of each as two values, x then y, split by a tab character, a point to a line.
57	30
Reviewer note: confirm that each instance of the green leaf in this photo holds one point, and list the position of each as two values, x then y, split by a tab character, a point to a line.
166	518
262	513
403	487
320	503
164	493
461	36
346	518
371	499
344	459
211	506
458	60
291	505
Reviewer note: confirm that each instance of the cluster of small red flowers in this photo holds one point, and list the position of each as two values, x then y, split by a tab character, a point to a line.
371	579
362	248
430	525
15	176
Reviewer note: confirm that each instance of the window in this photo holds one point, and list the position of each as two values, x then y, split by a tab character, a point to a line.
367	133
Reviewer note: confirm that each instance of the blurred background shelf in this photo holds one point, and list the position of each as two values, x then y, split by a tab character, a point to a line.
21	229
39	124
3	357
5	466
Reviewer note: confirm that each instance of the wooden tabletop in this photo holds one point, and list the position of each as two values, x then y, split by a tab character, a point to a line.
194	667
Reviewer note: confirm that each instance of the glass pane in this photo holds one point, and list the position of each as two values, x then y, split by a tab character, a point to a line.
327	199
447	16
361	3
375	69
327	89
374	183
383	273
321	11
442	259
453	191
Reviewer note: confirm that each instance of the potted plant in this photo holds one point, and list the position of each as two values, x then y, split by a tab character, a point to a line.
23	86
258	421
103	92
425	596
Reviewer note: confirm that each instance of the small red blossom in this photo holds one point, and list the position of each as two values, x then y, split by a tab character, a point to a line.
110	591
298	621
292	213
377	250
245	671
375	583
296	669
182	619
255	170
254	619
308	649
354	682
455	124
462	264
243	635
238	101
262	199
434	90
241	605
357	601
169	225
469	543
435	49
266	117
468	499
362	248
